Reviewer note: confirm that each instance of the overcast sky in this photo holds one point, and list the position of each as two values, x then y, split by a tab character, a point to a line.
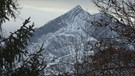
42	11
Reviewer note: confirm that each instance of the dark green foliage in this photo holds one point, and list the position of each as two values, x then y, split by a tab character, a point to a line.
14	47
14	57
8	8
33	66
13	50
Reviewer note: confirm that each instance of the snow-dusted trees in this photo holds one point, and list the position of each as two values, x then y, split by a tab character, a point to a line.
116	56
123	10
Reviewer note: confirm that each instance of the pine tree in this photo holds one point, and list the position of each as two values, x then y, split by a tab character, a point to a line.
13	49
8	8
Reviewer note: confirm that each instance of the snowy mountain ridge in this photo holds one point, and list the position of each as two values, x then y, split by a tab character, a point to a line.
68	33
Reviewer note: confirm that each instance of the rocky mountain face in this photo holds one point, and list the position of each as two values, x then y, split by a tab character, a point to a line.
66	36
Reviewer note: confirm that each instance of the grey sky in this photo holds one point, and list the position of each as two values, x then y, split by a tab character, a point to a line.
57	4
42	11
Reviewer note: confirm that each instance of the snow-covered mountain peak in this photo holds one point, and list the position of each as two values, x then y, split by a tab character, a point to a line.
75	11
75	16
73	29
78	7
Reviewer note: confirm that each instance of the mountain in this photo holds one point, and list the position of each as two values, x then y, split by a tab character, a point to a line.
68	34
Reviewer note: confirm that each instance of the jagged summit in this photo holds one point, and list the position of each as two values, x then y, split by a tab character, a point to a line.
78	7
64	20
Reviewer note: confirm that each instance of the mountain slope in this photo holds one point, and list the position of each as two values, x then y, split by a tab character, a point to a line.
68	34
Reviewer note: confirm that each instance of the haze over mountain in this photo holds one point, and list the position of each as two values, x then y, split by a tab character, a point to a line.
69	33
